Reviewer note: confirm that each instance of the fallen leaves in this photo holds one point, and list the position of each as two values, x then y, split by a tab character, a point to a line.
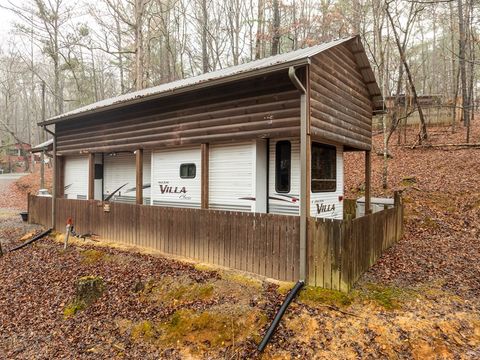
420	300
442	207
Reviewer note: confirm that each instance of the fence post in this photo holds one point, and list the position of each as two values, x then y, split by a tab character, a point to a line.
398	205
28	208
347	259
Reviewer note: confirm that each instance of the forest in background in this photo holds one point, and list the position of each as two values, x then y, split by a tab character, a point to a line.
63	54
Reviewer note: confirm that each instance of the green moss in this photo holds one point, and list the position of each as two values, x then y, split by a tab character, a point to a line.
88	290
312	295
214	327
242	280
203	267
430	223
190	292
389	297
72	308
143	330
285	287
92	256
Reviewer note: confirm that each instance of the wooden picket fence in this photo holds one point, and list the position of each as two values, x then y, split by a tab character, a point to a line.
264	244
338	251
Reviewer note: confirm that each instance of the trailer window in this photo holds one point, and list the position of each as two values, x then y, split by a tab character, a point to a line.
324	168
283	155
188	171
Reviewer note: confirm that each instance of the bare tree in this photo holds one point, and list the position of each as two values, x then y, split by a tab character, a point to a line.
423	127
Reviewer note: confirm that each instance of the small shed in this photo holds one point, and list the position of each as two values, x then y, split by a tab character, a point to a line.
261	141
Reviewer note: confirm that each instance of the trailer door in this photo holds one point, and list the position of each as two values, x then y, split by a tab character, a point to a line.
76	177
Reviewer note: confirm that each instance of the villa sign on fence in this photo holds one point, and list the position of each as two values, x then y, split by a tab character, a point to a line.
338	251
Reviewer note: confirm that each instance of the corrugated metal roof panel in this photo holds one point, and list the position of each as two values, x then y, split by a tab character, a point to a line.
273	62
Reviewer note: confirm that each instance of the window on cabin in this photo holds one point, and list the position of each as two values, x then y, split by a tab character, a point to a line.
283	159
324	168
188	171
98	171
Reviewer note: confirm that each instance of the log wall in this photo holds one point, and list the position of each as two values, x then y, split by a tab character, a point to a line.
340	104
267	106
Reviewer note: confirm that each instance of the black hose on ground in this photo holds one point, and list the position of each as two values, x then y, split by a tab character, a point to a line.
38	237
290	296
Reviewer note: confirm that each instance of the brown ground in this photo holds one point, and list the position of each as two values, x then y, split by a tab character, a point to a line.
421	300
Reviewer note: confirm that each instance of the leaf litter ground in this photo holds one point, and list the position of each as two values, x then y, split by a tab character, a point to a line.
421	299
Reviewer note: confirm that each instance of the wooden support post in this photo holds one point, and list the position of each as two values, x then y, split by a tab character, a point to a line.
54	180
368	180
91	176
205	175
139	176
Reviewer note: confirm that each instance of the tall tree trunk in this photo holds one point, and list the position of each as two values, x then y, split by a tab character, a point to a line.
471	42
139	49
258	42
120	56
276	28
461	55
454	74
204	26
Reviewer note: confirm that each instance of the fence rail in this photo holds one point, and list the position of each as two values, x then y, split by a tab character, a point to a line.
338	251
264	244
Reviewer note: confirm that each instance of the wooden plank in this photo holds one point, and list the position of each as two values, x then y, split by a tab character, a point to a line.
296	246
289	263
310	280
368	181
282	240
274	233
336	254
271	253
339	85
256	239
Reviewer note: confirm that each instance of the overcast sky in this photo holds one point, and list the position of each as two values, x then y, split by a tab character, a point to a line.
6	18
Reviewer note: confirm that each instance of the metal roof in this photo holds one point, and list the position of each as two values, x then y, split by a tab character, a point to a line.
47	145
242	71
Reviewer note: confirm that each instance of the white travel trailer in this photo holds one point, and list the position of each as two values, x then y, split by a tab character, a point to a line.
240	177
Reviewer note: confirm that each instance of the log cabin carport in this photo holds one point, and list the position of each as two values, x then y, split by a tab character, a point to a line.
324	93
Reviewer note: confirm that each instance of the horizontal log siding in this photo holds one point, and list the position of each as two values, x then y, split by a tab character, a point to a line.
340	105
261	108
263	244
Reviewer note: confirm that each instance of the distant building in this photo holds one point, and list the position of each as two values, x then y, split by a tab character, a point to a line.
15	158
